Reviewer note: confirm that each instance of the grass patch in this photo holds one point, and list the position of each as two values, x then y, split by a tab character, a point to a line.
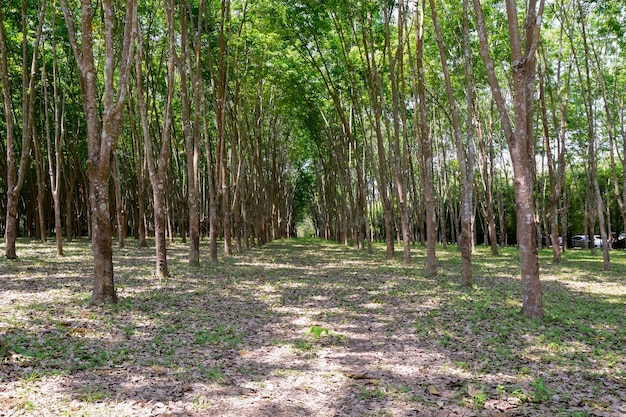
233	323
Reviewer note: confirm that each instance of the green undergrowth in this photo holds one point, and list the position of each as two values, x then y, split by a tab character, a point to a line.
194	325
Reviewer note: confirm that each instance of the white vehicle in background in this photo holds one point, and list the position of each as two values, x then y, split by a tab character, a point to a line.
597	241
581	241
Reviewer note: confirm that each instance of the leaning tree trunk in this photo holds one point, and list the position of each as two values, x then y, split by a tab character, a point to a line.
375	94
465	241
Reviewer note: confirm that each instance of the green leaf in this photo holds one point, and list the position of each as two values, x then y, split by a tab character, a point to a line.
317	331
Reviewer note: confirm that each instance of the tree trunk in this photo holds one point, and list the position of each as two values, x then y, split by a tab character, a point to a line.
487	182
213	220
426	169
119	204
593	163
102	131
220	116
140	162
396	73
520	137
54	157
16	174
375	93
104	286
41	188
158	174
555	191
465	242
191	150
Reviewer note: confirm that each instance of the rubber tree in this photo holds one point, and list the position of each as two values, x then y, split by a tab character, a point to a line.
519	133
103	126
16	170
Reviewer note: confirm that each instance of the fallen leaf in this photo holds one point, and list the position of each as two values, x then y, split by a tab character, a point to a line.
433	390
357	375
159	370
473	392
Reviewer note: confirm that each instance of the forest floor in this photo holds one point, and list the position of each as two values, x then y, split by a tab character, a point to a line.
309	328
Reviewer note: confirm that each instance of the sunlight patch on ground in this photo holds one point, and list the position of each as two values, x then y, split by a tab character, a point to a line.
235	337
273	266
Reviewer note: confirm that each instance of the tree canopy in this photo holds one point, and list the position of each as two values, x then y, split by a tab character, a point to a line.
248	121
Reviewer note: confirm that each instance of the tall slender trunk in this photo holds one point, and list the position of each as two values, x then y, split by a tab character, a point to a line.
54	162
119	203
593	164
396	73
158	172
41	188
102	128
487	184
423	138
213	220
220	115
465	242
520	137
375	94
555	191
611	133
191	148
16	173
140	163
560	126
467	195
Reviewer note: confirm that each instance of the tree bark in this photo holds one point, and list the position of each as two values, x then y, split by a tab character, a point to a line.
16	174
487	164
593	164
220	117
119	203
520	137
425	146
555	189
191	148
158	173
54	157
465	242
375	94
102	131
396	73
41	188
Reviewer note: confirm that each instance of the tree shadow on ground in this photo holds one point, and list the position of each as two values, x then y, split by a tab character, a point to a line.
231	339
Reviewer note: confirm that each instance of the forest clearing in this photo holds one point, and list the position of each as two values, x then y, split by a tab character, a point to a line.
307	327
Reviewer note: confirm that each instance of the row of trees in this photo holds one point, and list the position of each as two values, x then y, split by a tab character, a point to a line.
237	119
